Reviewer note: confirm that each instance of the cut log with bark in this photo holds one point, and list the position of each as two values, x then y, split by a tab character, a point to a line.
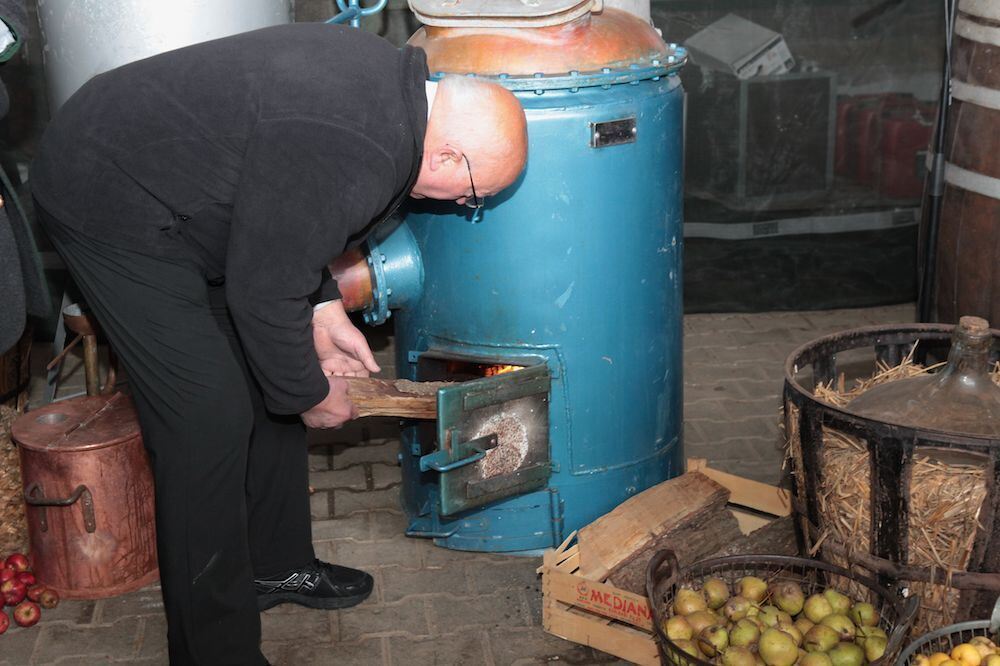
692	541
775	538
687	514
394	397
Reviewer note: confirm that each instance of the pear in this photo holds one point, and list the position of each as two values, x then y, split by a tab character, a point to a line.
842	625
863	614
677	628
864	633
983	645
736	608
701	619
716	592
985	651
738	656
816	608
758	660
804	624
688	647
752	588
816	659
689	601
745	633
777	648
769	615
992	660
790	629
875	648
788	596
847	654
967	654
821	638
713	640
840	603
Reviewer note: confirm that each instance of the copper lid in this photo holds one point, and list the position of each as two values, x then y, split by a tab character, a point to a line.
613	38
77	424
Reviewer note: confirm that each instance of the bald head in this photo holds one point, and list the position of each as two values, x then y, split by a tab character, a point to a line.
477	121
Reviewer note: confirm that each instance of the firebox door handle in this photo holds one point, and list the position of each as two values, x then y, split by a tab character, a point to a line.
35	496
440	461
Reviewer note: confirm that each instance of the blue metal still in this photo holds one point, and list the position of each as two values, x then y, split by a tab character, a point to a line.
577	265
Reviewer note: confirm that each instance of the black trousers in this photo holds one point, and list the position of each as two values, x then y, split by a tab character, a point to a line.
231	479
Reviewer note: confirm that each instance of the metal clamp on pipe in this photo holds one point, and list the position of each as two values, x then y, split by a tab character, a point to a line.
383	275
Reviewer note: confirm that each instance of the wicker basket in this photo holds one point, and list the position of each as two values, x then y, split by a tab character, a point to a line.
664	576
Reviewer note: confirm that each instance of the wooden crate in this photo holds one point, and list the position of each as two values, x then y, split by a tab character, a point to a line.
595	613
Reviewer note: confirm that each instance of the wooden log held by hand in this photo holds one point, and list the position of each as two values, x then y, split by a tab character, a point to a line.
395	397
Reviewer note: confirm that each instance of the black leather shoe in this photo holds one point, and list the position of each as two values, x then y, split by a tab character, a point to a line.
316	585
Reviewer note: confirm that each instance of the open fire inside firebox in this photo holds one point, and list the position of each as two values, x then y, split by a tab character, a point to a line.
491	439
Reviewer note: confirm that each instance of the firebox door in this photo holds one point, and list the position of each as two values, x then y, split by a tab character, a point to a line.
492	438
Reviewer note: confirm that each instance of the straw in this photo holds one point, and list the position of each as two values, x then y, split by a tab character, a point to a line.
13	526
945	497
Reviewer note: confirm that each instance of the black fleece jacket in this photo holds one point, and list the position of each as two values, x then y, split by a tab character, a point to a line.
264	153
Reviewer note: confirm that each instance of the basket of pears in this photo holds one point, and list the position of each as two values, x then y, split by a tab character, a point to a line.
962	644
759	610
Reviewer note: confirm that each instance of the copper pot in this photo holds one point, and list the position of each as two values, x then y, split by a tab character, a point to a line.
89	495
612	38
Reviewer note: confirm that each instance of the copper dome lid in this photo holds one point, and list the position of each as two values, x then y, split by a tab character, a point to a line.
609	39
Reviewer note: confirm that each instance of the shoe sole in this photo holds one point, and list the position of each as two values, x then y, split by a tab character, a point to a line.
320	603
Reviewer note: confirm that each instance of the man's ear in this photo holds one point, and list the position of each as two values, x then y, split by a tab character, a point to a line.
445	155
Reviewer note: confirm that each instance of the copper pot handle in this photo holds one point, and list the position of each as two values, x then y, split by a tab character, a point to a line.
34	496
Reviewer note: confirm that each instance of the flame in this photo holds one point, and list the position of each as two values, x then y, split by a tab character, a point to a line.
495	370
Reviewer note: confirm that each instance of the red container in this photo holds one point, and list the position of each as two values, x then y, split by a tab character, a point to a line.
905	141
842	165
865	125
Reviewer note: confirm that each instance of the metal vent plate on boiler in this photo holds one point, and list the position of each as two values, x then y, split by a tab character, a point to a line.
501	13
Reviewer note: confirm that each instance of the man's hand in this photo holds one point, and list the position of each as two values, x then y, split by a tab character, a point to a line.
335	410
342	349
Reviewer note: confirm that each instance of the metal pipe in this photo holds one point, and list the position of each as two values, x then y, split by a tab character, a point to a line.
351	12
384	274
354	279
91	365
935	179
82	38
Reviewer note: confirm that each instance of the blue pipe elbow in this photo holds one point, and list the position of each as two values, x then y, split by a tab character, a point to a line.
397	270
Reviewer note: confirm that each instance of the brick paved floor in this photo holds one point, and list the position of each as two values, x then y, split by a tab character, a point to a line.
434	606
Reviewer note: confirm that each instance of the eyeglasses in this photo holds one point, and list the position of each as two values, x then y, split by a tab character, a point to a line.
475	202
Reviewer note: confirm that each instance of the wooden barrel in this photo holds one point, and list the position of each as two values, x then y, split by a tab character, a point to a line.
968	254
89	491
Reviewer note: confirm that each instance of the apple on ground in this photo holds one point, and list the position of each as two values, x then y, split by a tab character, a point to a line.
18	562
26	613
6	573
27	578
49	598
35	592
4	622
